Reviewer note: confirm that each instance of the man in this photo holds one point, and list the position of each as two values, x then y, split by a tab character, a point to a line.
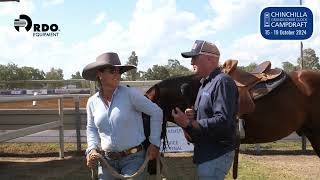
211	124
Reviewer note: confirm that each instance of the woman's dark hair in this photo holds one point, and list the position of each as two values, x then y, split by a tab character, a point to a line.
99	85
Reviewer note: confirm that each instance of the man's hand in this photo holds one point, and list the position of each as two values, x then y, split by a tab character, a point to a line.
191	114
92	159
180	118
152	151
187	136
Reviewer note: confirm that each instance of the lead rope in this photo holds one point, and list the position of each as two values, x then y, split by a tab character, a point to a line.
115	174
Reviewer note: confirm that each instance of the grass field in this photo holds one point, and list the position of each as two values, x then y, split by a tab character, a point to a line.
281	161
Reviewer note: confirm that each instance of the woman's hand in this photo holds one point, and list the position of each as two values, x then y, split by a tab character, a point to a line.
152	151
92	159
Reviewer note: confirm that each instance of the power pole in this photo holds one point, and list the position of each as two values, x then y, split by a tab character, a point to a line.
301	48
301	55
303	137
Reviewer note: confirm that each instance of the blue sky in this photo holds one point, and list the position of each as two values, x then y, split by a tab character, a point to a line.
156	30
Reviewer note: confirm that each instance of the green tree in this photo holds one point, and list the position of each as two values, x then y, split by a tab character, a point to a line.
310	59
176	69
30	73
11	72
132	75
54	74
76	76
288	67
80	84
252	66
156	73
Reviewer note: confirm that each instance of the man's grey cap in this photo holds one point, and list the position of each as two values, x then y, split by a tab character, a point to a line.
202	47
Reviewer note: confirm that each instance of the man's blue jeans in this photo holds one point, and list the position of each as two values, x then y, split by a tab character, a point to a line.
125	166
217	168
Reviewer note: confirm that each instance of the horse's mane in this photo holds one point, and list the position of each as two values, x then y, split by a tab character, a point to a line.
173	81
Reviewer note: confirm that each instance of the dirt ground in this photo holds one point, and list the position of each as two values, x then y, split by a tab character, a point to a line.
179	166
43	104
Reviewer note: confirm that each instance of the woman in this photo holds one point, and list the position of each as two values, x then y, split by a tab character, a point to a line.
114	119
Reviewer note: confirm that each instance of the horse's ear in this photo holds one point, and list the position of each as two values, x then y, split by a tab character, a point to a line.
153	93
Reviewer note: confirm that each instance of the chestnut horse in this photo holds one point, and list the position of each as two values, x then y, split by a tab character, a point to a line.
292	106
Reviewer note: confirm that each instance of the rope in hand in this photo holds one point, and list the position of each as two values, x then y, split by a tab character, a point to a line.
115	174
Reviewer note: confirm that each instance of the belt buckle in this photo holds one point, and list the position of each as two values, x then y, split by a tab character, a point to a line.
133	150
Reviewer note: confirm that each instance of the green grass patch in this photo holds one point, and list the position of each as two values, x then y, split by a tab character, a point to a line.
278	145
251	170
37	148
30	148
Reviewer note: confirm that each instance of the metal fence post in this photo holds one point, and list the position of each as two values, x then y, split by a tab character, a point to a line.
77	122
92	88
61	133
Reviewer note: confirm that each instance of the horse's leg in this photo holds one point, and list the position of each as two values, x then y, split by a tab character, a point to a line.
313	126
314	139
312	80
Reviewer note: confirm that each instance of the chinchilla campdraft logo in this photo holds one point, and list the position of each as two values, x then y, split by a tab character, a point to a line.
39	30
286	23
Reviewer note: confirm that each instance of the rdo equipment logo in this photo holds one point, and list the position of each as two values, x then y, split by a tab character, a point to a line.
39	30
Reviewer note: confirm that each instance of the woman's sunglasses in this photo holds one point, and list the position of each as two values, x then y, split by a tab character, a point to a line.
111	70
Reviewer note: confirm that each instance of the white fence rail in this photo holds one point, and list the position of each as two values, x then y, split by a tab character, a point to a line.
37	128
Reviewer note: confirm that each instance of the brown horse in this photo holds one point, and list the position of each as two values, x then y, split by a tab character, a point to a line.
292	106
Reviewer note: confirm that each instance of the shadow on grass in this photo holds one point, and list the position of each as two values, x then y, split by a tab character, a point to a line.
270	152
68	168
73	167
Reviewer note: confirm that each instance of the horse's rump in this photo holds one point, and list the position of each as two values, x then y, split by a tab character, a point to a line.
307	81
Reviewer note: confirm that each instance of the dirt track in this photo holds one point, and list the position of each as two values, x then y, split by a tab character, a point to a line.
43	104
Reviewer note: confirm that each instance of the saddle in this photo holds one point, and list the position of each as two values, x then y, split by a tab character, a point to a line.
253	85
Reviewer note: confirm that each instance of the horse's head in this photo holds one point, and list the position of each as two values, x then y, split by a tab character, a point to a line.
174	92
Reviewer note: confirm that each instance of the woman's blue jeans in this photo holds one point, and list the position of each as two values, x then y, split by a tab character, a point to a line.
125	166
217	168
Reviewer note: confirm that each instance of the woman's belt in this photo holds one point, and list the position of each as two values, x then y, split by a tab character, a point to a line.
118	155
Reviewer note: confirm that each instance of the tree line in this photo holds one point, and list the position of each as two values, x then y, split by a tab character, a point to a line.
11	72
310	61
